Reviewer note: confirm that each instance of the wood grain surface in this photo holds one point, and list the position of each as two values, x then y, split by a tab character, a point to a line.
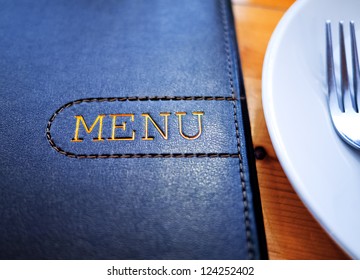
291	231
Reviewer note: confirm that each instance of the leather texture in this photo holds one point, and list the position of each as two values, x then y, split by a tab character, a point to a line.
172	197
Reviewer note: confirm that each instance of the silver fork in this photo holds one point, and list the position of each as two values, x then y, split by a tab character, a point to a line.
343	105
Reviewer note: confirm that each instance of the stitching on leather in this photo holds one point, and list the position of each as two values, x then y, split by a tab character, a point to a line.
174	155
150	98
136	98
242	178
176	98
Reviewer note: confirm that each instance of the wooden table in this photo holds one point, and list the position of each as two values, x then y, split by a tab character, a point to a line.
291	231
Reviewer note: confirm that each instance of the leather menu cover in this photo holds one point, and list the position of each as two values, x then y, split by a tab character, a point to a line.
124	132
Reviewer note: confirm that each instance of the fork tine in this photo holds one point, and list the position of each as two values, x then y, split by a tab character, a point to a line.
355	64
344	76
330	69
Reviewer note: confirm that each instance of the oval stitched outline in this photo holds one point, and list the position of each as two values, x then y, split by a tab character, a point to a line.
136	98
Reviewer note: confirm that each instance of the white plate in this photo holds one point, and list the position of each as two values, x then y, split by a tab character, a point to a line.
324	171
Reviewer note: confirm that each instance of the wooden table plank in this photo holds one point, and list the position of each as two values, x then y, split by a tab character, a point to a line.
273	4
292	232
